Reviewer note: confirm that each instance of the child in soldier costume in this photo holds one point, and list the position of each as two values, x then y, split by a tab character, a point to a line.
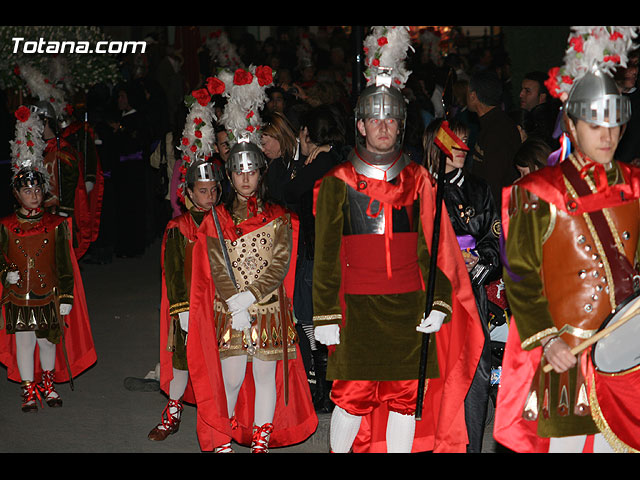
249	381
199	191
42	291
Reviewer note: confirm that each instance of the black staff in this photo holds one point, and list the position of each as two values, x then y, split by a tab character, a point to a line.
431	280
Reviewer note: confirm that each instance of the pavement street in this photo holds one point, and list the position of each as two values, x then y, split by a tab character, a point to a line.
100	415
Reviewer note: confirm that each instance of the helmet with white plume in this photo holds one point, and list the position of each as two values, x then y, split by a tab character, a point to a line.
585	82
385	50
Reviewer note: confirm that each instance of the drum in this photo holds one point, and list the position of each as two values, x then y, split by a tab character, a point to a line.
619	351
616	377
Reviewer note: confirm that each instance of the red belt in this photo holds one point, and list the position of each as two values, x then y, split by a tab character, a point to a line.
364	264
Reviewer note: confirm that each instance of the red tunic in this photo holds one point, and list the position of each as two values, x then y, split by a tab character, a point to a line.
459	342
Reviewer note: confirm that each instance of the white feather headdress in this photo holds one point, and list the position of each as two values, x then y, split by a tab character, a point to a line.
606	47
43	88
28	145
223	51
198	135
385	50
245	90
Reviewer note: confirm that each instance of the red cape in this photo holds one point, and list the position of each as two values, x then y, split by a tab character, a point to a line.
294	422
518	365
459	342
189	229
78	337
87	207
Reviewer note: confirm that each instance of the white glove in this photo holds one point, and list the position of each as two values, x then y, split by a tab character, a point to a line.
432	323
88	186
327	334
63	214
184	320
65	308
240	320
13	277
240	301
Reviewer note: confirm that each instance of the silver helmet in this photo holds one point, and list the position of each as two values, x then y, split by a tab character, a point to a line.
382	101
595	98
44	110
201	170
29	177
245	156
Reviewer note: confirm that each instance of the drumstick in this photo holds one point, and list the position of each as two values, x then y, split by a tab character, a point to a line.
601	334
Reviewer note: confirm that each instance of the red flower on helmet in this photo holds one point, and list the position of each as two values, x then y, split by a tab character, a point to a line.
202	96
242	77
215	86
382	41
23	113
577	43
265	75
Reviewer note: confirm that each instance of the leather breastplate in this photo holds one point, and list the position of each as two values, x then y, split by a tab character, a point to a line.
34	257
578	279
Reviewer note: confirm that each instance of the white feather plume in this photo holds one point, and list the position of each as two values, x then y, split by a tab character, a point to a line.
28	145
43	88
386	47
241	115
604	47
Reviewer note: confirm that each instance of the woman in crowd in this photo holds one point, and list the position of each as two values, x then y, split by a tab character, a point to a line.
476	222
281	147
322	137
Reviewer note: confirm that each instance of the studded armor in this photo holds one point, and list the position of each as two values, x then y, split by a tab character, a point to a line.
37	249
259	259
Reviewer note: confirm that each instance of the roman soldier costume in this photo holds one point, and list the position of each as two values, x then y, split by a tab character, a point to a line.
176	258
572	238
41	289
374	222
243	265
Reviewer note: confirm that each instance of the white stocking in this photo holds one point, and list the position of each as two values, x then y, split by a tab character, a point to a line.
264	379
600	445
400	431
25	349
233	371
178	384
343	430
573	444
47	354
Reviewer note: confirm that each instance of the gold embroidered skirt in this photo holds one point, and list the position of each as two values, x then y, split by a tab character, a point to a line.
265	333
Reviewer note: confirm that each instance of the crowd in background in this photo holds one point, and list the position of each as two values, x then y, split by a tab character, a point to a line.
138	122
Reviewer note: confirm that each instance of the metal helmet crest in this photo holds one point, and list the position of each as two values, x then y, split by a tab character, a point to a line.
595	99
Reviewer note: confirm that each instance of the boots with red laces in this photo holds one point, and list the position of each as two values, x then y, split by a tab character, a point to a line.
224	448
48	390
260	438
30	393
170	421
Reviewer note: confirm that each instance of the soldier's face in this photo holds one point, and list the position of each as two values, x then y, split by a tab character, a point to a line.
204	194
380	135
596	142
30	197
246	183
